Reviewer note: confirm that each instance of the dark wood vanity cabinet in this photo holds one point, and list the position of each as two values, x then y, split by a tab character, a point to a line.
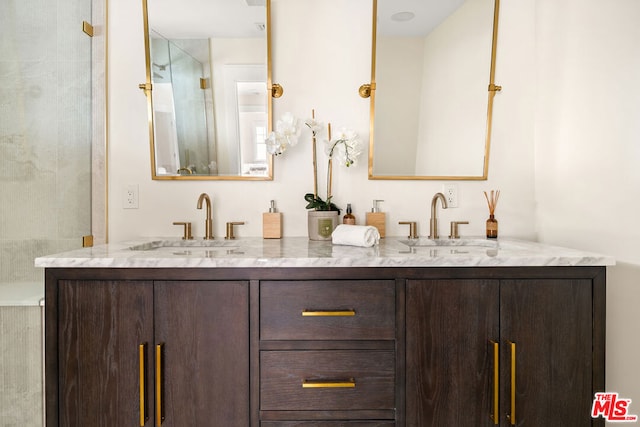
314	347
520	351
449	362
132	353
100	328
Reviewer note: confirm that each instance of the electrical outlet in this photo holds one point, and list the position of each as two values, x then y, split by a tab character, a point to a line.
130	197
450	192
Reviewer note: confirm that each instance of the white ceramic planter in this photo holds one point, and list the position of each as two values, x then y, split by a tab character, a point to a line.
321	224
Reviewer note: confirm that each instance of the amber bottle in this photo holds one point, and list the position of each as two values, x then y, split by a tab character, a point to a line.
349	218
492	227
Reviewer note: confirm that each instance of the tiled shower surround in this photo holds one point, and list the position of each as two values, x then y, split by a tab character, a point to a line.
45	132
21	366
48	137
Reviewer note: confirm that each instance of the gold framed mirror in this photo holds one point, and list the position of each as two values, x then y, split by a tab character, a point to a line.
432	65
209	90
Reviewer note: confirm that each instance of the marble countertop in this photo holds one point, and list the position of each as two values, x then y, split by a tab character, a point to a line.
302	252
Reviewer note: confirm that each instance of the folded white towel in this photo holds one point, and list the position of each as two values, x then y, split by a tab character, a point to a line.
355	235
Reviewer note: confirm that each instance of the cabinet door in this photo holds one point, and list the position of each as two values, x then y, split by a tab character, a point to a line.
550	324
101	325
204	330
449	371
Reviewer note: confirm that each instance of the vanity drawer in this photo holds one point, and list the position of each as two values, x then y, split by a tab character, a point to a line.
327	310
327	380
327	424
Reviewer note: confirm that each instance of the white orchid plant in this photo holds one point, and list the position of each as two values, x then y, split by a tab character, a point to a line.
285	135
345	147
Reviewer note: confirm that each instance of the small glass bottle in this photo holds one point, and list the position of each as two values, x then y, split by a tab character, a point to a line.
349	218
492	227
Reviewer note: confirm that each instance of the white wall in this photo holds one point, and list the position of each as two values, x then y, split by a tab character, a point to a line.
588	155
564	148
320	71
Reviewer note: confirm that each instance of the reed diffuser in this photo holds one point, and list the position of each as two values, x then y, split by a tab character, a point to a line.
492	222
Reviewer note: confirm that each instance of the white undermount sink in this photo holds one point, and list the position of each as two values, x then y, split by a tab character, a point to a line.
461	242
184	244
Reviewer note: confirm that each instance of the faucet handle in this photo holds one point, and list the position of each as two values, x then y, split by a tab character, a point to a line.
186	234
230	225
454	229
413	234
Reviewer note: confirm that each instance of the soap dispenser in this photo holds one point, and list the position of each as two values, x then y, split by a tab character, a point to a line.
272	223
376	218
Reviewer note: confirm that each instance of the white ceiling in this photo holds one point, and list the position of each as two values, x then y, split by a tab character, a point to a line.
236	18
207	18
428	15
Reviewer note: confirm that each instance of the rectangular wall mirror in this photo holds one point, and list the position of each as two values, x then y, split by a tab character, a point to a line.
433	64
208	88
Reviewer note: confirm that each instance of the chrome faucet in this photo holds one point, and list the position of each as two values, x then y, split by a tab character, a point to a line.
208	223
433	223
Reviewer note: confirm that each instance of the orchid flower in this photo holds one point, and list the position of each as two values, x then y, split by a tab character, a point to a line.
285	135
314	125
276	144
346	147
287	126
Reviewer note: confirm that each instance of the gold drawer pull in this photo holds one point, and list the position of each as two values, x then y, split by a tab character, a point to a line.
512	415
142	357
496	382
348	383
328	313
159	391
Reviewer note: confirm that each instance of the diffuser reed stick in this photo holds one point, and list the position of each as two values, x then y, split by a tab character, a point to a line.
492	200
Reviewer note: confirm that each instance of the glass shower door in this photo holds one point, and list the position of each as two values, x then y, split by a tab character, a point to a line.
47	133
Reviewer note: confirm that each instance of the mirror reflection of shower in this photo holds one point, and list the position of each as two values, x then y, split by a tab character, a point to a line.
223	42
183	106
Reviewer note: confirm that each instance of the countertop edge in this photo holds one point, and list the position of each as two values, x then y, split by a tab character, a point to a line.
299	252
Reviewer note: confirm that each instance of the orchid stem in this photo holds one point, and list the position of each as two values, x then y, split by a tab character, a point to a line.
330	165
315	160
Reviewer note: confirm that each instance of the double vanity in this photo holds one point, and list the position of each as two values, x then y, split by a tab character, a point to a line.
292	332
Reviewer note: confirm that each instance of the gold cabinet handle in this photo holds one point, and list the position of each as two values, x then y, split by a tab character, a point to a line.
159	400
328	313
496	382
142	357
512	415
344	383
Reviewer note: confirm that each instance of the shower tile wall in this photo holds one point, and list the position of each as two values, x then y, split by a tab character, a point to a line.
20	367
45	132
45	177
